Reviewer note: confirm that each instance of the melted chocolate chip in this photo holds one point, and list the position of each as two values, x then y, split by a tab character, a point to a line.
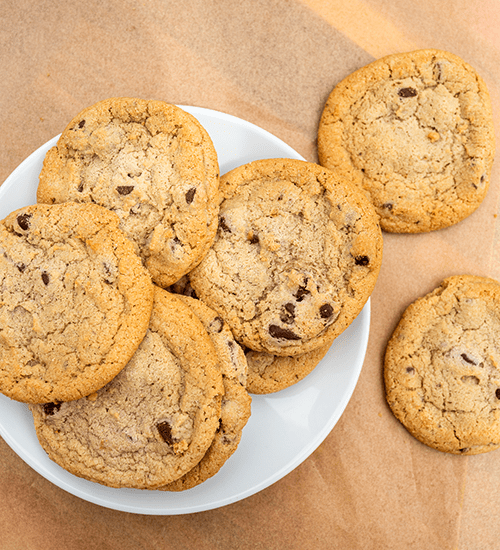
301	292
81	124
51	408
125	189
165	432
467	359
223	225
288	315
21	267
45	278
326	311
361	260
253	238
410	370
190	195
282	333
407	92
23	220
497	393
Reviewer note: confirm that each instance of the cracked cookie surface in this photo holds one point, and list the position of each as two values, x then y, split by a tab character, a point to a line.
415	131
296	256
236	403
442	367
155	420
75	301
151	163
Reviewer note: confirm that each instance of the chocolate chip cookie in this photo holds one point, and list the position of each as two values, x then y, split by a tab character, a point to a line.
155	420
151	163
271	373
236	403
75	301
296	256
442	367
415	131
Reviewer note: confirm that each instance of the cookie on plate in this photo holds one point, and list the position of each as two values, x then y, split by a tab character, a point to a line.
272	373
155	420
151	163
236	403
296	256
415	131
75	301
442	367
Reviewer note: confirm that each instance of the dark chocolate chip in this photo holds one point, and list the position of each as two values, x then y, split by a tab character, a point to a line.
80	187
51	408
387	206
45	278
361	260
125	189
407	92
81	124
410	370
288	315
497	393
326	311
301	292
23	220
190	195
253	238
165	432
223	225
468	359
21	267
282	333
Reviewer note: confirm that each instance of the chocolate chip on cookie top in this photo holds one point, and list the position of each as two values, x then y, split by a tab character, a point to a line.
155	420
75	301
442	367
415	131
151	163
296	256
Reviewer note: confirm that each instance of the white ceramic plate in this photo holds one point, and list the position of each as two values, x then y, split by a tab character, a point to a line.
284	428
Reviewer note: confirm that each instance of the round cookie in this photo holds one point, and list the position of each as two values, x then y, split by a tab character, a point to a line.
442	367
75	301
271	373
236	403
155	420
415	131
296	256
151	163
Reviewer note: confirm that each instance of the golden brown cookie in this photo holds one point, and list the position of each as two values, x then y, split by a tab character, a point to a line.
271	373
155	420
151	163
442	367
296	256
75	301
415	131
236	403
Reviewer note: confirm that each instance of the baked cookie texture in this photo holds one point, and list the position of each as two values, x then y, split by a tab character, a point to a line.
269	373
415	132
236	403
151	163
442	367
155	420
75	301
296	256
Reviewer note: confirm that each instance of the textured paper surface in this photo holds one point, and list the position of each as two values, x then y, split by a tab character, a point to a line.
370	485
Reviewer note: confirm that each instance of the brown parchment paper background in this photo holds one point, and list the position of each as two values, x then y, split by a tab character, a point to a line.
369	485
